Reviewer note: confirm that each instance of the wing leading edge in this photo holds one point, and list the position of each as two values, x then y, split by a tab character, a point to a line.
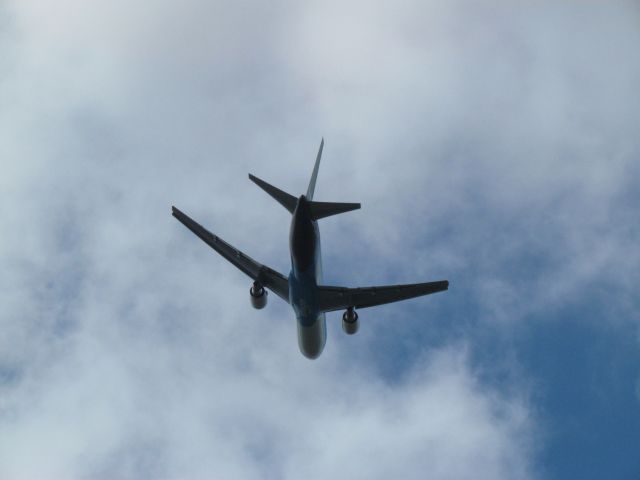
338	298
271	279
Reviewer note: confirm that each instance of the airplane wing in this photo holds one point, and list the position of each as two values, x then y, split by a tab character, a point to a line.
338	298
271	279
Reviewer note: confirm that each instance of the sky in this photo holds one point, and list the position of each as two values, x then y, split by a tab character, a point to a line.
491	143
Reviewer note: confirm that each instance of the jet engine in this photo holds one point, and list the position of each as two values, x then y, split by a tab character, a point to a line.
350	321
258	296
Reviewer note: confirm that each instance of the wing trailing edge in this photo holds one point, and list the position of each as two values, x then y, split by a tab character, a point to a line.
271	279
338	298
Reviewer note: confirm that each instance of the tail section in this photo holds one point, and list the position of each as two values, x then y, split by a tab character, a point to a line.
287	201
318	209
324	209
314	175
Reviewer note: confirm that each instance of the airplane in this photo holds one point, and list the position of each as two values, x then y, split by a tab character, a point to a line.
303	288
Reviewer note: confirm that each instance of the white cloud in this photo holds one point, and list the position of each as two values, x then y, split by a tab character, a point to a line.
153	407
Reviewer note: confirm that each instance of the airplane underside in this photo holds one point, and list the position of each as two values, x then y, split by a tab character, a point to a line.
303	289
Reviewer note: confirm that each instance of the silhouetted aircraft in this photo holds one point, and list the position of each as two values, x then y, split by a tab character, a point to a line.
303	288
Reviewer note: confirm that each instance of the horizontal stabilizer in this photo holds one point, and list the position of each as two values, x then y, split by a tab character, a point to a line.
326	209
287	201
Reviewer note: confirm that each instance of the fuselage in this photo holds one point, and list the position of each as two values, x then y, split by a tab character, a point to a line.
306	274
304	288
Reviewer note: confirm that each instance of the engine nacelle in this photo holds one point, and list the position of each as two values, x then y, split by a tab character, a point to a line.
258	296
350	323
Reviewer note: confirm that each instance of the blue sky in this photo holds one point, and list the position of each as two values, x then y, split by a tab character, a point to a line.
491	144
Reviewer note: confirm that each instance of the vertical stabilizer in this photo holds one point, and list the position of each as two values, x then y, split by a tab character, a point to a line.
314	175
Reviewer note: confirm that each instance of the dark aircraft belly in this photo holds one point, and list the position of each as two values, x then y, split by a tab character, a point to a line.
312	336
